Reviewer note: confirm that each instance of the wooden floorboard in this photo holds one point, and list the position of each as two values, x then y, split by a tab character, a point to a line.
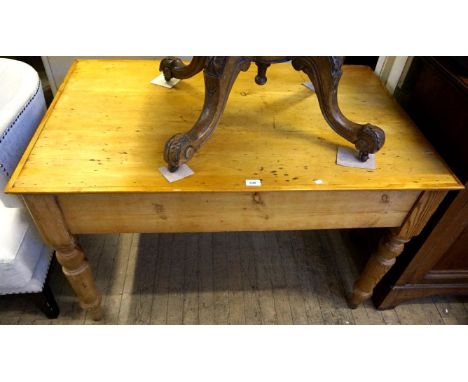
205	286
297	277
264	286
320	258
175	302
160	299
296	294
220	279
451	310
252	310
278	280
191	280
235	293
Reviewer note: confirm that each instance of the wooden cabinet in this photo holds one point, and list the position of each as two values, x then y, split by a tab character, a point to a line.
435	95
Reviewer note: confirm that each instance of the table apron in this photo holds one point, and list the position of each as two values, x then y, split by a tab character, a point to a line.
247	211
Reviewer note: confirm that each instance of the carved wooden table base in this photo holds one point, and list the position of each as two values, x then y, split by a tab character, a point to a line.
220	74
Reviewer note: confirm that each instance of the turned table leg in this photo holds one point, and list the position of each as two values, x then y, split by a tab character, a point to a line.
50	222
392	245
325	74
219	74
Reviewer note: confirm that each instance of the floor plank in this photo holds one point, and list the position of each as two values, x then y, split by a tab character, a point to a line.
235	293
220	279
191	280
278	280
328	286
252	311
346	269
175	304
160	300
451	310
263	268
137	296
300	277
206	311
296	293
121	275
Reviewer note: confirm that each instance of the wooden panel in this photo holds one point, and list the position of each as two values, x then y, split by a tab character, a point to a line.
456	256
213	212
444	276
109	126
449	228
421	213
435	95
401	293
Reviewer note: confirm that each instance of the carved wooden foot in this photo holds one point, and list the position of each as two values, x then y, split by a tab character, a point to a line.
220	74
50	222
260	78
173	67
392	245
325	74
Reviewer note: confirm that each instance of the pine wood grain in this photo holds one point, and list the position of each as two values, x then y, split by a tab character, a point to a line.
253	211
106	129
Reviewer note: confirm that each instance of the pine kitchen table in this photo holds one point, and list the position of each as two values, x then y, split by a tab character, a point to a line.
93	165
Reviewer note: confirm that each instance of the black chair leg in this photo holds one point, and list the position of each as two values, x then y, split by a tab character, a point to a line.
45	301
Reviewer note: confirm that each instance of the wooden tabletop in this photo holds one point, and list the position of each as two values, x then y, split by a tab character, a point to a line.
107	126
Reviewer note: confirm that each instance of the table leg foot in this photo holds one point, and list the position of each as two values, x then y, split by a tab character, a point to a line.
391	245
261	78
76	269
357	298
219	74
325	74
96	312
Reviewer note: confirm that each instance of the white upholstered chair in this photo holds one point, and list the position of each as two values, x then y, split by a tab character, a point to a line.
24	258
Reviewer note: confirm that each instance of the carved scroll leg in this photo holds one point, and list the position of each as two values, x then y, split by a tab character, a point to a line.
220	74
50	222
173	67
325	74
392	245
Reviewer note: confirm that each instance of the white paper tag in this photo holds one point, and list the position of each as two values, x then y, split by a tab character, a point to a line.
161	81
181	173
253	182
348	157
309	85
